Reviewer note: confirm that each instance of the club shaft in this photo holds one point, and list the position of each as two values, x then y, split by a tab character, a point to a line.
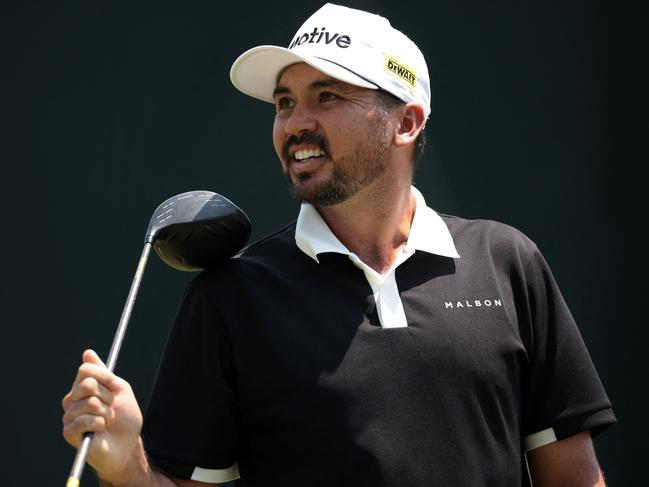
82	452
128	308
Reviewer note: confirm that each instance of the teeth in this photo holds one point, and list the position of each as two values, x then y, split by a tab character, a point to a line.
308	153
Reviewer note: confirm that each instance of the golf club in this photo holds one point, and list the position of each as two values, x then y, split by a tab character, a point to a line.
191	231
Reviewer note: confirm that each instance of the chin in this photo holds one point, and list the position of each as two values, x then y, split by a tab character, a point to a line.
323	194
304	192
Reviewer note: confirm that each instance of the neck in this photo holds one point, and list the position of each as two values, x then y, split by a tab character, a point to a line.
375	223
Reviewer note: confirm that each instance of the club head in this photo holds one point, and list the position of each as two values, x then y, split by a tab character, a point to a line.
197	229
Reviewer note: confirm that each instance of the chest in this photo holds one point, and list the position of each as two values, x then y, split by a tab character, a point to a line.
304	336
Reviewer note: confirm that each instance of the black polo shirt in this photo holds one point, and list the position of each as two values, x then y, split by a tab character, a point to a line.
279	364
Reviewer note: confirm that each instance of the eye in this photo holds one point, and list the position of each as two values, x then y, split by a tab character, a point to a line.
326	96
284	103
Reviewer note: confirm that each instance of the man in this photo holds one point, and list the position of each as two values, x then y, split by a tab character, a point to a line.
372	342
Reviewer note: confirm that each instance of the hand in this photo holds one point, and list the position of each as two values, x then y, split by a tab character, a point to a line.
102	403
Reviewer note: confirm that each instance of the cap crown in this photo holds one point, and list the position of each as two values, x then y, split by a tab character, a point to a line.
368	46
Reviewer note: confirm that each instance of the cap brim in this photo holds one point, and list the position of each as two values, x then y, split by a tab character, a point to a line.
255	71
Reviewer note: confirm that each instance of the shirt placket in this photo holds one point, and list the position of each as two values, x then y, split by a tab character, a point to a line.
386	292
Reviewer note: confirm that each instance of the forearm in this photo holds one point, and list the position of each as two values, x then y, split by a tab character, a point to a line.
154	479
570	462
592	481
138	473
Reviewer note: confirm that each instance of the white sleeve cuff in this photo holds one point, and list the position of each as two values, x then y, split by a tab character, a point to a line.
216	476
539	439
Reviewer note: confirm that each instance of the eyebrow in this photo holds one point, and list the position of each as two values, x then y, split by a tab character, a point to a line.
324	83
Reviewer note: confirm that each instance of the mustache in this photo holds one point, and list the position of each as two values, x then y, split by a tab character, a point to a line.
305	138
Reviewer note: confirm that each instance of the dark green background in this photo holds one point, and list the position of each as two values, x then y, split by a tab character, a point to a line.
539	120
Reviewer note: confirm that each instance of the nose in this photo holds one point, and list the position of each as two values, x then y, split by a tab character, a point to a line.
300	120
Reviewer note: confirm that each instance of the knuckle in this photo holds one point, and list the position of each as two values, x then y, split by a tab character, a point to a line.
66	419
82	371
65	401
88	385
95	405
97	423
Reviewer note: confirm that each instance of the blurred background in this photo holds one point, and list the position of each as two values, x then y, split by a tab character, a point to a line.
539	120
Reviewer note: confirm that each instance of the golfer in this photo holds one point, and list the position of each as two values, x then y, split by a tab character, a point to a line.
373	342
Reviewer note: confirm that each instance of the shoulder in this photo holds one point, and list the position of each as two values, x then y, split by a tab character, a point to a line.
266	255
475	237
488	230
274	245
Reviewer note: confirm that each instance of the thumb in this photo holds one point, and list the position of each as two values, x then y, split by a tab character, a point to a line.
91	357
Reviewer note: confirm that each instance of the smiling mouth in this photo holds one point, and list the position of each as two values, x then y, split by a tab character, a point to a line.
303	147
305	163
307	154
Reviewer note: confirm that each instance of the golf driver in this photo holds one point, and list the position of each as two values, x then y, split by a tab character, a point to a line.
190	232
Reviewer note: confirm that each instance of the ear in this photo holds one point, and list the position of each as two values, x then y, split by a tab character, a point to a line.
412	122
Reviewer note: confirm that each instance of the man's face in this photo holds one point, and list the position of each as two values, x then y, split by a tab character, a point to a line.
330	136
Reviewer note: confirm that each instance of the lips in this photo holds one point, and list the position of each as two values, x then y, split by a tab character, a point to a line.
308	164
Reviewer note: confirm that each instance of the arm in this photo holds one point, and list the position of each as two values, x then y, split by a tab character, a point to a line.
102	403
569	462
142	475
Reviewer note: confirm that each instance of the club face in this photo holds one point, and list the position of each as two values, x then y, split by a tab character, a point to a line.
197	229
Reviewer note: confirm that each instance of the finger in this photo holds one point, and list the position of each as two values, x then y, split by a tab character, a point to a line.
93	379
89	387
90	356
73	432
88	415
88	406
100	373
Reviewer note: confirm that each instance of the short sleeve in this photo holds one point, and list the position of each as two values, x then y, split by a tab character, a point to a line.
562	390
191	426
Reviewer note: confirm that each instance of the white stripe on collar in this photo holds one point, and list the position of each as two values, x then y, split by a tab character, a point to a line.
428	232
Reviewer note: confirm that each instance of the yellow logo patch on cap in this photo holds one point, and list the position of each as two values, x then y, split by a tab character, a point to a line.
401	71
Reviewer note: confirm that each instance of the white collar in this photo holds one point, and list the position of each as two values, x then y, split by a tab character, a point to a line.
428	232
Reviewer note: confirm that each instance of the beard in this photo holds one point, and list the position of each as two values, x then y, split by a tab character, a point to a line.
349	174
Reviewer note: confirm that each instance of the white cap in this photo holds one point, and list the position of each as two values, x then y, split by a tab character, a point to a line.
351	45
